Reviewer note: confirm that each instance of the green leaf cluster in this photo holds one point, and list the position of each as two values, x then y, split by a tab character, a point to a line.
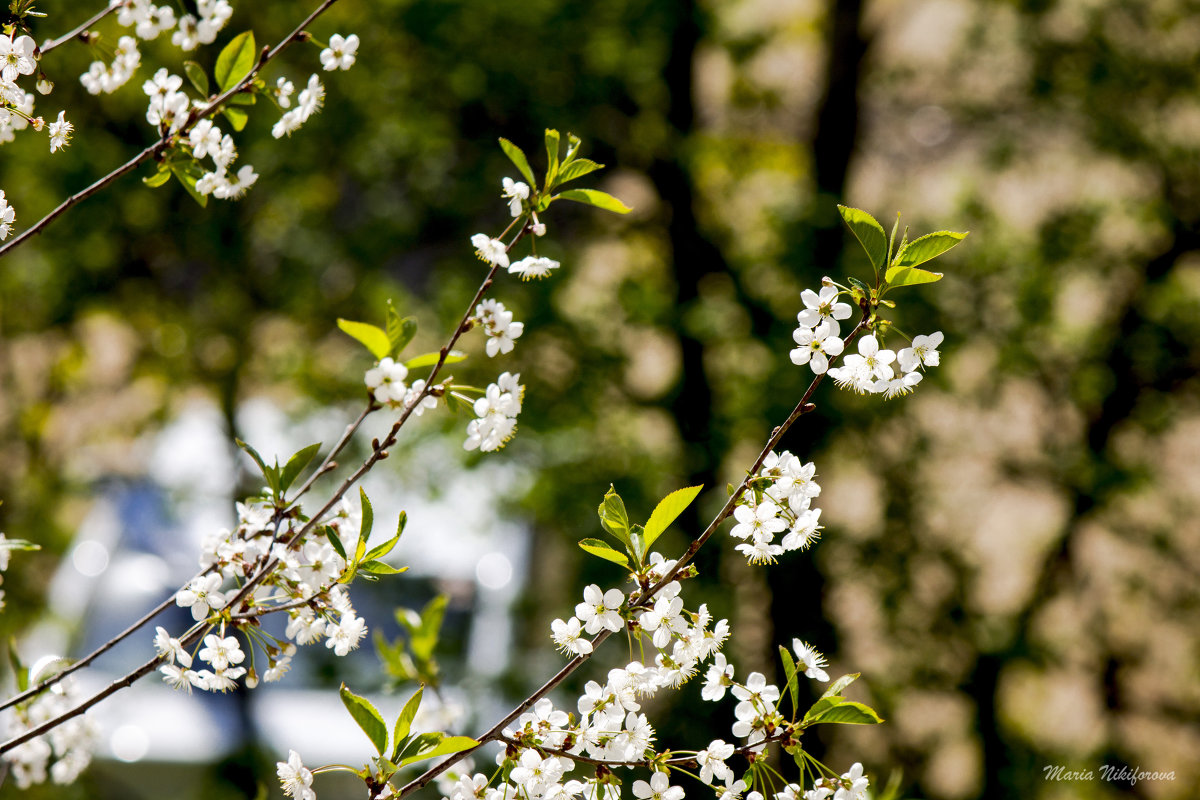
390	340
560	169
406	747
636	539
899	265
280	478
363	561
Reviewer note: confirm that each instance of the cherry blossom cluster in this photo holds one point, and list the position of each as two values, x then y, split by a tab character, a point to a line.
303	581
871	370
18	57
386	380
104	78
817	335
780	499
852	785
62	753
203	29
497	323
496	414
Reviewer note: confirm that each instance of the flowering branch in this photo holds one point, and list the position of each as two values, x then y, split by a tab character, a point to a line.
495	733
269	563
156	149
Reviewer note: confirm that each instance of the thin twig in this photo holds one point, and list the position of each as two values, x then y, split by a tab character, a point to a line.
66	37
496	731
167	138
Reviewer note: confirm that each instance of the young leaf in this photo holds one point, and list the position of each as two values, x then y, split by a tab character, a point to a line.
399	331
667	510
236	60
158	178
373	567
551	158
789	671
367	717
18	668
868	232
405	721
573	143
910	276
841	683
927	247
188	173
237	118
598	547
296	464
381	550
849	713
444	746
637	543
334	541
372	337
821	706
368	521
197	76
576	169
516	155
270	474
594	197
429	359
613	516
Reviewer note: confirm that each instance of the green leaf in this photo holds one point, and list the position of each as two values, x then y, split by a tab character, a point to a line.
429	359
841	683
368	521
236	60
910	276
334	541
601	548
243	99
849	713
404	721
197	76
667	510
552	162
270	474
237	118
594	197
399	331
374	567
372	337
296	464
927	247
367	717
379	551
18	668
576	169
446	746
516	155
789	670
821	706
188	172
573	143
613	516
637	542
869	234
158	178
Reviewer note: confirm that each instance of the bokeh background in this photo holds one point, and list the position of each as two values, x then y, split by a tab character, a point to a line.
1010	555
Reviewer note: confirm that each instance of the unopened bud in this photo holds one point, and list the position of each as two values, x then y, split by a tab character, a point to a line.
45	86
